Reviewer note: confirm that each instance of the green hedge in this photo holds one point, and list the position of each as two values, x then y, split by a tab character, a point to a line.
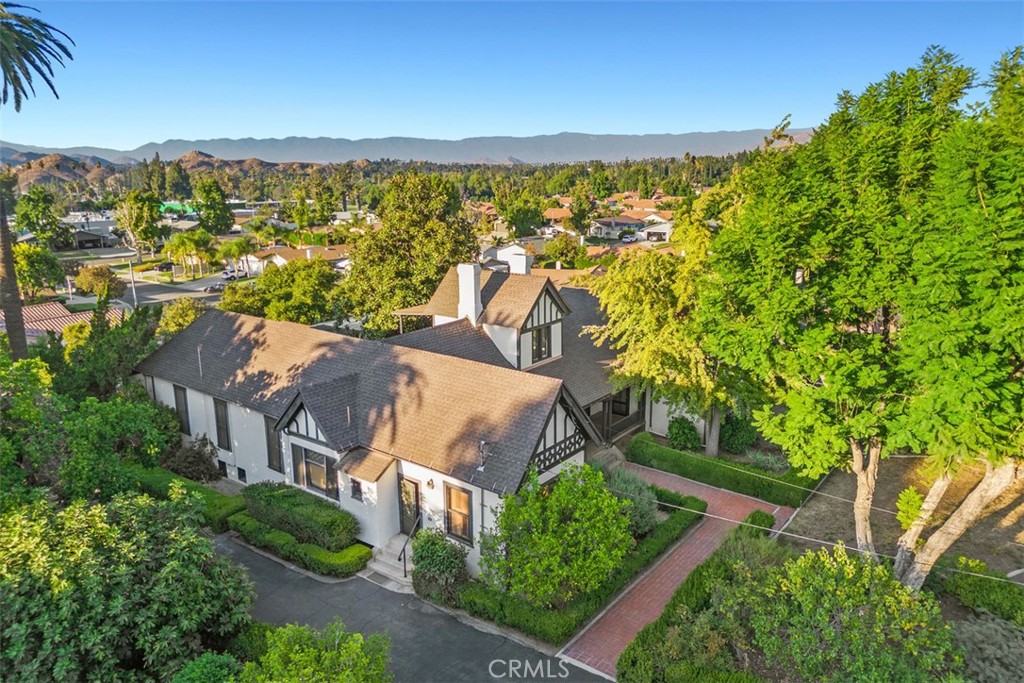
303	515
1002	598
774	488
640	661
312	557
156	481
557	626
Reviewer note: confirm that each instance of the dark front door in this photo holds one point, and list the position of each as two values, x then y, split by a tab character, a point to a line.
408	505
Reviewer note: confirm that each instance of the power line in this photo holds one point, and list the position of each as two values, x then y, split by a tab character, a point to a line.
812	540
773	479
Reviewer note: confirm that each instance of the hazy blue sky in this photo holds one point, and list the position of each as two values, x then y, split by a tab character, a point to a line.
149	71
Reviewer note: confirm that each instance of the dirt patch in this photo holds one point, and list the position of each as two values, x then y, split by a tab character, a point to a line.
997	539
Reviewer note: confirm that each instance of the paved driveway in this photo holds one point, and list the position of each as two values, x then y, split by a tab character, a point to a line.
427	645
599	645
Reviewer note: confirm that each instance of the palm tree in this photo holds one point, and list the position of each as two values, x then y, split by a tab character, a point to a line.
28	47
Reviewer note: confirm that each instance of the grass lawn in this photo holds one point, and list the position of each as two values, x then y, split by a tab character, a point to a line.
997	539
78	308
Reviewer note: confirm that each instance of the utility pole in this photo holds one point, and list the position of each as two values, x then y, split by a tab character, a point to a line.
135	296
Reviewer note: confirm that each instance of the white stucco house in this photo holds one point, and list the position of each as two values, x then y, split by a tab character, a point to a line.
426	429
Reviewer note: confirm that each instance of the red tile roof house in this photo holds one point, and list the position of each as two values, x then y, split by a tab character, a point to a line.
54	317
427	429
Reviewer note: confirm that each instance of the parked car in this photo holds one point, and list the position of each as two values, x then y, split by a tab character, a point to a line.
230	274
629	239
215	287
166	267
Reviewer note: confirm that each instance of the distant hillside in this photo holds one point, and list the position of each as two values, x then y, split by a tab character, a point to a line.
51	168
194	160
539	149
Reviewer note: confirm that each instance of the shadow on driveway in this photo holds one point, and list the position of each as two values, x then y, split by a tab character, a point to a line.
427	645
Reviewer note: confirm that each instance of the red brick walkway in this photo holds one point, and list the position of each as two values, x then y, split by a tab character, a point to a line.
599	645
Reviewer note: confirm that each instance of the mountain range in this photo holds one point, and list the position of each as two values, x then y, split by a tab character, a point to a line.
538	149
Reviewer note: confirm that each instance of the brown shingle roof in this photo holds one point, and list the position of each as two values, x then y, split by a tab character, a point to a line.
366	465
557	214
332	253
507	298
457	338
407	403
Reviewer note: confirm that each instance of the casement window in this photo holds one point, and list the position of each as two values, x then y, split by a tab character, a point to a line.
273	445
220	415
458	513
241	475
620	402
541	343
181	407
357	489
314	471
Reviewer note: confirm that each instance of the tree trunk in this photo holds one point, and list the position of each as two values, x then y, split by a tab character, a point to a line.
10	296
995	481
865	467
714	429
907	544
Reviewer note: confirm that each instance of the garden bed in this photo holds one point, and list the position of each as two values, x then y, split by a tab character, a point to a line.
341	563
558	625
788	489
156	481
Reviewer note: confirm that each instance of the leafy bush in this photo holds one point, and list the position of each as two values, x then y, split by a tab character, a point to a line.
761	518
251	643
659	653
94	475
196	460
789	489
209	667
827	616
303	515
627	485
302	654
557	626
738	433
128	590
440	566
993	648
550	545
217	507
1004	599
312	557
683	435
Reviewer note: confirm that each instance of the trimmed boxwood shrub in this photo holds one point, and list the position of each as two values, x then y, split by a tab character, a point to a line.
156	481
682	434
641	661
440	566
738	433
558	625
1004	599
301	514
789	489
312	557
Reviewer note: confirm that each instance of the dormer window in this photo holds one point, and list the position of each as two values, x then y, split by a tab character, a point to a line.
541	343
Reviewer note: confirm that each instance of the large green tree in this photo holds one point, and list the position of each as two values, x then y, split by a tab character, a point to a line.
423	234
651	303
300	292
808	272
551	545
37	268
37	213
962	346
100	281
129	590
214	215
138	215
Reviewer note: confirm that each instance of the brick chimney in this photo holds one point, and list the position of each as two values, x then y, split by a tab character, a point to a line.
469	292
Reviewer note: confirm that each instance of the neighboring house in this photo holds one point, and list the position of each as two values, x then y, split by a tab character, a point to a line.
658	232
611	226
557	215
337	256
88	239
54	317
